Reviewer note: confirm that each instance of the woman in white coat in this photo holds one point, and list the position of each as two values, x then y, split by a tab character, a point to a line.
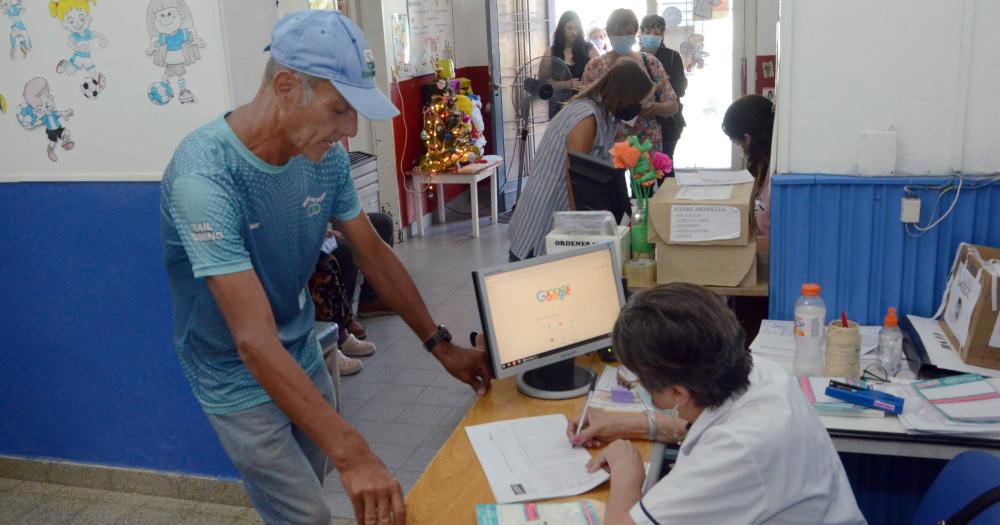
752	449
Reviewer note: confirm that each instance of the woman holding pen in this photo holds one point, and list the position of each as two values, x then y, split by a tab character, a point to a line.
752	450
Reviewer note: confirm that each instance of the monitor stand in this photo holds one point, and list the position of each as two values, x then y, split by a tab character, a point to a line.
560	380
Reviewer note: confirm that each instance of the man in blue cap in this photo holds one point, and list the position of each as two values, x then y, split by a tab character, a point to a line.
244	205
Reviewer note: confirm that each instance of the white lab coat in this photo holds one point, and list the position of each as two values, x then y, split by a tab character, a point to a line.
763	457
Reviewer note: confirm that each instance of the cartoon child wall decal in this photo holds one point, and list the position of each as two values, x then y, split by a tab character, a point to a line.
174	45
76	18
19	39
39	109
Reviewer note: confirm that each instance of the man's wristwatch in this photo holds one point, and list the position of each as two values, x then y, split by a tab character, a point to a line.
442	334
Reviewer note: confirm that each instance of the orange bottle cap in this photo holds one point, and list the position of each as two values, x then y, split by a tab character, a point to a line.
810	289
890	320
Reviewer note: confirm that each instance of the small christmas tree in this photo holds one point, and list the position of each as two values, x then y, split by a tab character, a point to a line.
447	135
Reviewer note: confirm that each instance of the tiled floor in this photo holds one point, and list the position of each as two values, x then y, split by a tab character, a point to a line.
403	401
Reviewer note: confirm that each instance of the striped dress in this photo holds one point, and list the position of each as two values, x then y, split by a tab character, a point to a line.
545	191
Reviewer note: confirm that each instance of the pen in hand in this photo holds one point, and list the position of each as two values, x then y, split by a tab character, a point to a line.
586	406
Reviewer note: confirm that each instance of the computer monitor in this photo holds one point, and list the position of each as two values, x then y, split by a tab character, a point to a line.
540	313
598	185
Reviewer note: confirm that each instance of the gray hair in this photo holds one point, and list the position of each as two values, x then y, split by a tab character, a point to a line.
308	82
683	335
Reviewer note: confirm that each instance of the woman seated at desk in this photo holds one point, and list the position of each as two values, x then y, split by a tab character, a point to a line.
586	125
752	449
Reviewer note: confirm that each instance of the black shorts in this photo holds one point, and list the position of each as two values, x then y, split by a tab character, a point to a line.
55	134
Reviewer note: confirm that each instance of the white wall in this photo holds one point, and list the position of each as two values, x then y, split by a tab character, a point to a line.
767	19
120	135
247	25
927	69
471	46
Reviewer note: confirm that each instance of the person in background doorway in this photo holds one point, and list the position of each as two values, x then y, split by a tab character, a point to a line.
569	46
586	125
749	123
651	41
599	39
662	102
752	449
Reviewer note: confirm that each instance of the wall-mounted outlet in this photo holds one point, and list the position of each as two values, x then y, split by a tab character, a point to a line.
909	210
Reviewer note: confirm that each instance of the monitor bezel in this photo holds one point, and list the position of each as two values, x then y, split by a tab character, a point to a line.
486	319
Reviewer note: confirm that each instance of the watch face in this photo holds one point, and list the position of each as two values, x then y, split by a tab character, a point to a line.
673	17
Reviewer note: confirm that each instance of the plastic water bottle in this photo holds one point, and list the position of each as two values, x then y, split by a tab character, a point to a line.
890	344
810	325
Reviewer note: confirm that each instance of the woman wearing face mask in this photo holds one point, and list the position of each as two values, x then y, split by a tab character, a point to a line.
586	125
752	449
622	27
651	41
748	122
569	46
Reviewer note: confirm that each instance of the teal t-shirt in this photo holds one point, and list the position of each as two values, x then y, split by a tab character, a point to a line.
224	210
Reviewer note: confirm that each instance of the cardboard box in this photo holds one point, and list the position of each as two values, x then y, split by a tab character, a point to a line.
722	222
971	317
707	265
622	241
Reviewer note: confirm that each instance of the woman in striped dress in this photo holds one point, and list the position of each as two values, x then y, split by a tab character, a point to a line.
586	124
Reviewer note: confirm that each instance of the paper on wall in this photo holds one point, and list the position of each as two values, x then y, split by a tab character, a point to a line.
962	299
705	193
712	178
704	223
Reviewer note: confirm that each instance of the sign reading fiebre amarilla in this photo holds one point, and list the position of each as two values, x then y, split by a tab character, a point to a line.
704	223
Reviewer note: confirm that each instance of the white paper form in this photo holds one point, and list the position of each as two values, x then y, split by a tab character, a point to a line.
704	223
962	299
712	178
531	459
939	349
705	193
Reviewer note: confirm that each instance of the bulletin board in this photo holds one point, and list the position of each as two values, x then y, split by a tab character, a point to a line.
432	33
125	129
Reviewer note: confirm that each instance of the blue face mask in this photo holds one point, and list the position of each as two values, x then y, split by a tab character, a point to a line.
650	42
622	44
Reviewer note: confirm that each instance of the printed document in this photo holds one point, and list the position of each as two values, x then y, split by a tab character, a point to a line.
712	177
531	459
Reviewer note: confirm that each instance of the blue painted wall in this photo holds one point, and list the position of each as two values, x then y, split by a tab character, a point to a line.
88	371
844	233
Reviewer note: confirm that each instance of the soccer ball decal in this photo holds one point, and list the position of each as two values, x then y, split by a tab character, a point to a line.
90	87
26	116
160	92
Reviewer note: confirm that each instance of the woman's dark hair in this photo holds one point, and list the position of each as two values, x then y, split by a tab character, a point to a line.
683	335
621	22
752	115
579	45
625	84
653	22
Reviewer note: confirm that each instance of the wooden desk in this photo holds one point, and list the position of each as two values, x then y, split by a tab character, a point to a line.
454	482
471	178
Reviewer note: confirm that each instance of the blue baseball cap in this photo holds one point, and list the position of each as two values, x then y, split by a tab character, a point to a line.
325	44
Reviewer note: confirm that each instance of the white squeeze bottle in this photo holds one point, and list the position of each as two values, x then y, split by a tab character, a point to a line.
810	325
890	344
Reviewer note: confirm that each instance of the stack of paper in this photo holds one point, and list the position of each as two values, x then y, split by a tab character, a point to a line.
531	458
920	416
969	398
776	339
